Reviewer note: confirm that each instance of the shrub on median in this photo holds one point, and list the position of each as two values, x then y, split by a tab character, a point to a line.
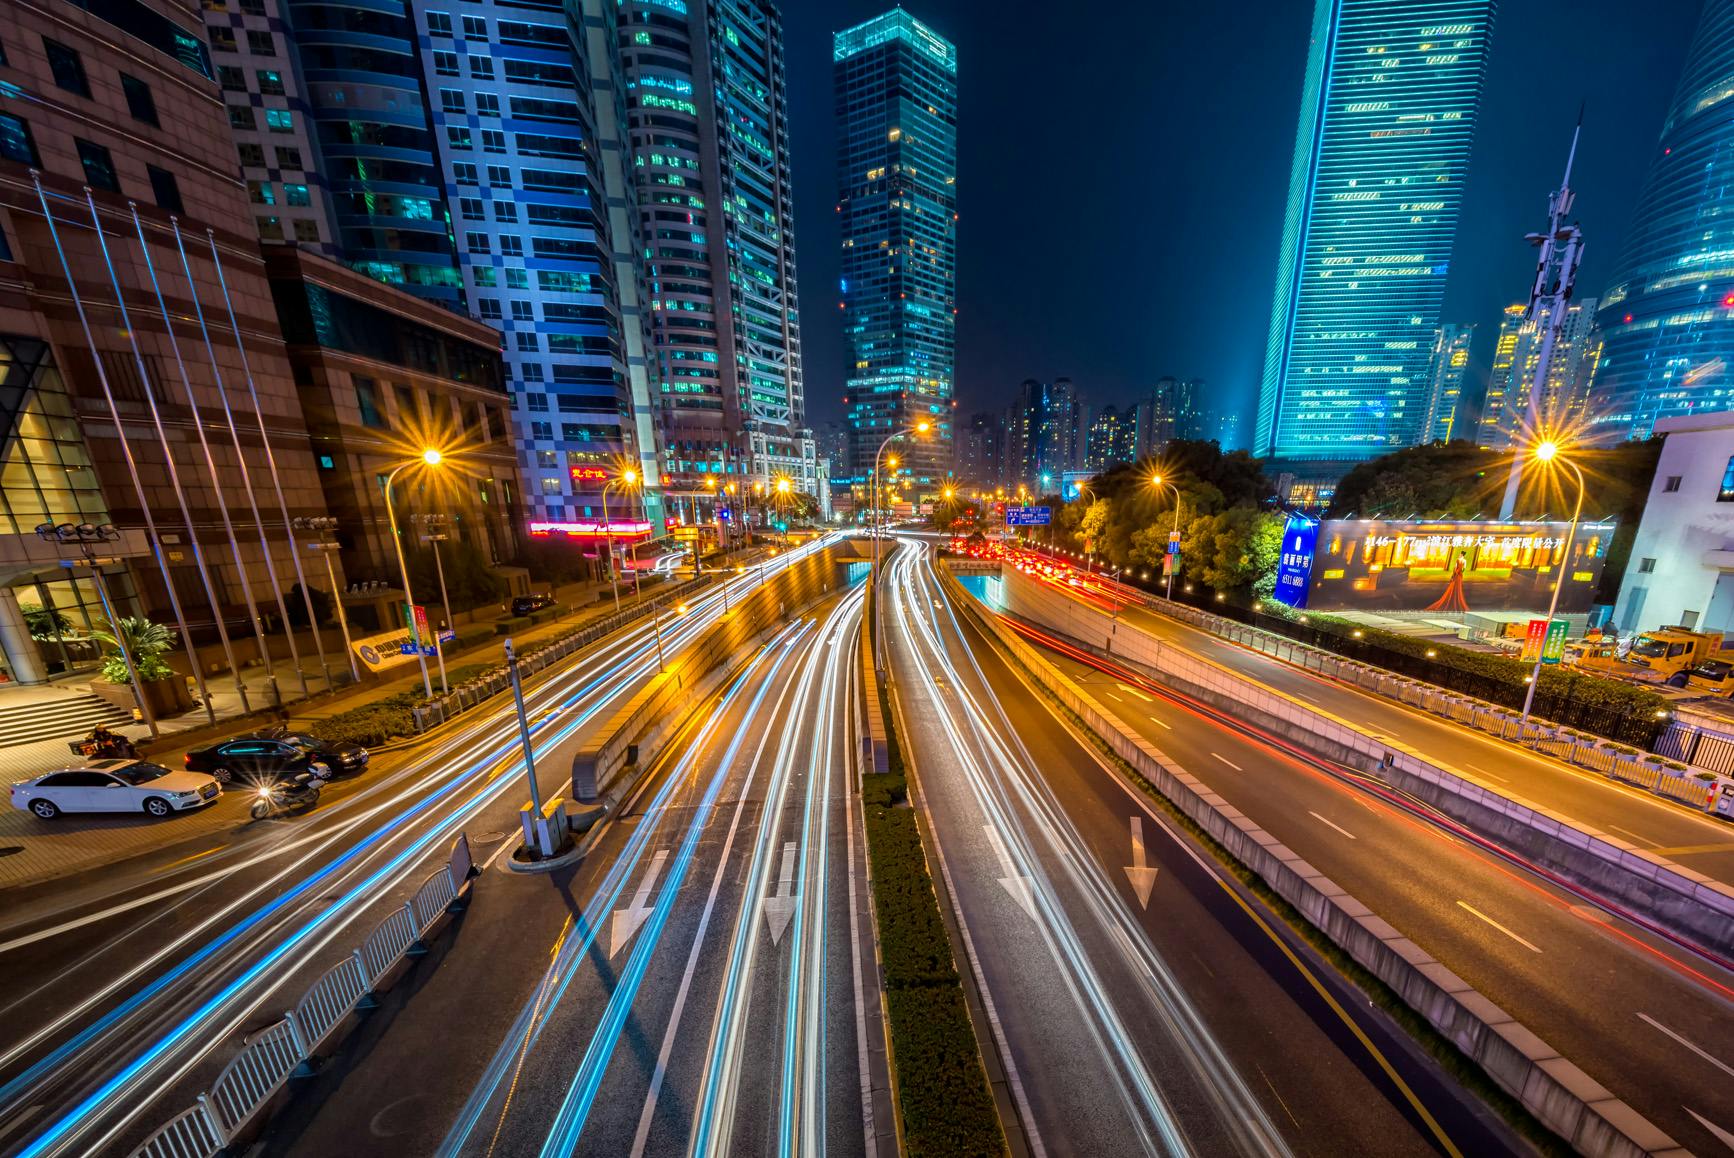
511	624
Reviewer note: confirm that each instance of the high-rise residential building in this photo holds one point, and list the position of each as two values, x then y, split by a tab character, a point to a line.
1112	438
1389	103
1045	435
1449	365
167	418
473	154
1667	318
1517	354
1228	429
710	156
980	450
1183	401
896	91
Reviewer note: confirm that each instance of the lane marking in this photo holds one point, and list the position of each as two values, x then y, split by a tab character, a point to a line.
1715	1061
1722	1135
1338	827
1530	945
630	919
1486	773
1135	692
173	863
1635	836
1229	762
1113	697
1141	874
1689	849
1015	882
1162	722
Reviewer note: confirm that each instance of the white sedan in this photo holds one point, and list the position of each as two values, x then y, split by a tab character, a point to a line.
115	786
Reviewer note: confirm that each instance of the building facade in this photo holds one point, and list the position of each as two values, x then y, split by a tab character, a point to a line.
1449	366
146	387
1112	439
1517	355
1389	103
980	450
1681	569
1668	315
896	93
708	113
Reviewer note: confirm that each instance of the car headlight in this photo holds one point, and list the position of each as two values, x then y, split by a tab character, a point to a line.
193	795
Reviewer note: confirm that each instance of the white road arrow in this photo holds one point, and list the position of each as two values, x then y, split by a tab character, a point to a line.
1143	875
629	920
780	905
1015	882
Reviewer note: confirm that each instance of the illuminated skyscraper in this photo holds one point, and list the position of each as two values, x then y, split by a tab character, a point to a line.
1504	415
1445	391
1387	114
896	85
709	120
1667	318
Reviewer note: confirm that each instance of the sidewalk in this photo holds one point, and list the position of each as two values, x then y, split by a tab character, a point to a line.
32	850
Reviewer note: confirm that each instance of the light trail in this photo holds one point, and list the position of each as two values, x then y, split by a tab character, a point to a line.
1003	780
123	1091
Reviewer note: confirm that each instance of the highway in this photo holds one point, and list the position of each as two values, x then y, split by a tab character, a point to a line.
1626	812
134	979
1139	1000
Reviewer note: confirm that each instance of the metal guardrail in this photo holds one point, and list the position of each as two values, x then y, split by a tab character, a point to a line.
272	1055
467	695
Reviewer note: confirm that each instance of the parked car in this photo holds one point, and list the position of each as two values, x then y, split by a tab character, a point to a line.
535	601
115	786
256	757
341	757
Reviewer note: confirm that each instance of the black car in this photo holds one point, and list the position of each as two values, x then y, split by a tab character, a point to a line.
341	757
537	601
265	756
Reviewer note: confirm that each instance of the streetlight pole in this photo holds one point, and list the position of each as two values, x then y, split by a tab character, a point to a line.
428	457
326	547
434	533
608	545
1547	452
523	728
1174	535
878	531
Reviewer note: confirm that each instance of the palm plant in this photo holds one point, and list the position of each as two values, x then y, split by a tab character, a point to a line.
145	642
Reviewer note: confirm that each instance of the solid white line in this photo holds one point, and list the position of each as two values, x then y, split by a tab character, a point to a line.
1531	946
1338	827
1229	762
1717	1062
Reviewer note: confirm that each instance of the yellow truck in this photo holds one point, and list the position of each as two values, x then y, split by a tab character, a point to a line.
1667	652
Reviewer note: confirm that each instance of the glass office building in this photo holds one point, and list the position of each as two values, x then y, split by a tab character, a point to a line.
1667	318
1445	391
896	88
708	115
1388	110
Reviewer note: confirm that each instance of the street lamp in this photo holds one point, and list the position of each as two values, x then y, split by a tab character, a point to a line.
428	458
1545	452
628	477
326	547
434	531
1156	480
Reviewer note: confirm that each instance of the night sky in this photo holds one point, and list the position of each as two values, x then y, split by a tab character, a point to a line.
1123	169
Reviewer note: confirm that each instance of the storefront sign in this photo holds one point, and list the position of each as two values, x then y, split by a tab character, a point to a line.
1294	569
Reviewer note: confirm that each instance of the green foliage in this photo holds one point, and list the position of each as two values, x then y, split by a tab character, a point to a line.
1454	479
510	624
43	623
145	643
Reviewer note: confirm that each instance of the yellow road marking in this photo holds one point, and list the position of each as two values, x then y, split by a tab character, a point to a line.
1688	849
185	859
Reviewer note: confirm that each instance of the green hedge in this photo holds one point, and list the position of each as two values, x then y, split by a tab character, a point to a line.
942	1091
509	625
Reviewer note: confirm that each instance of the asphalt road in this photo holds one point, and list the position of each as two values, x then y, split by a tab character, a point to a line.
1181	1020
1649	822
691	982
122	985
1649	1020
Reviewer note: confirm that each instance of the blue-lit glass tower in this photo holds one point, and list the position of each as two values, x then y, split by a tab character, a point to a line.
896	83
1387	115
1667	319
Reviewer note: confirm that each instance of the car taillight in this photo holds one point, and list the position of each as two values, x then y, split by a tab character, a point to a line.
188	758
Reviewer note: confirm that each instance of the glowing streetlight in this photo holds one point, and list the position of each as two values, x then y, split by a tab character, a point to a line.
1158	482
1548	451
429	458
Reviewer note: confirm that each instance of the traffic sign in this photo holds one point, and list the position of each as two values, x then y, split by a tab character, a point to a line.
1029	516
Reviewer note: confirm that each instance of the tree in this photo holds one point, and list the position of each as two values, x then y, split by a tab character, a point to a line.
1441	479
44	623
145	642
1235	550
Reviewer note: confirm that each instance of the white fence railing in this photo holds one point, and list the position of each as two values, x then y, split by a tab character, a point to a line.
271	1056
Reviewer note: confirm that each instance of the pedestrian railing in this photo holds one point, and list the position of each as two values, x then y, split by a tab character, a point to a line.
271	1056
491	683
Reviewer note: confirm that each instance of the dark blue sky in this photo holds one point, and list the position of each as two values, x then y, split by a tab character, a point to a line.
1122	172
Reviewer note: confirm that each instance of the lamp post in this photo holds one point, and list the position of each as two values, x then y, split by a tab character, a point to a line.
1157	480
326	548
433	531
1546	452
608	532
873	576
85	536
429	457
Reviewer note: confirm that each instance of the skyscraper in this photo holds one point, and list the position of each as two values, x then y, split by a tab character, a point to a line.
1504	414
1388	110
710	157
1445	376
1667	318
980	445
1112	439
896	82
473	154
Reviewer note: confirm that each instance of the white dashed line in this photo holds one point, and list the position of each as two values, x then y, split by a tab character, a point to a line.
1530	945
1338	827
1229	762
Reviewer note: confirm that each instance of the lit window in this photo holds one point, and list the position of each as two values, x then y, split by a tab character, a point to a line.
280	120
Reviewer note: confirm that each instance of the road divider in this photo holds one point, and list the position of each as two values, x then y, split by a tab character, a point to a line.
249	1086
1559	1094
1652	890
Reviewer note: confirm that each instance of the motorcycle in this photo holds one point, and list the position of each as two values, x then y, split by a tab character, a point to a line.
103	744
280	796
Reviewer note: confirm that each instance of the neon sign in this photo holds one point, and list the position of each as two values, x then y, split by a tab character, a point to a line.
589	474
589	530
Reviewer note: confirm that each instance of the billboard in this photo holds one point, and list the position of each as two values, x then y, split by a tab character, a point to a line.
1294	567
1451	566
